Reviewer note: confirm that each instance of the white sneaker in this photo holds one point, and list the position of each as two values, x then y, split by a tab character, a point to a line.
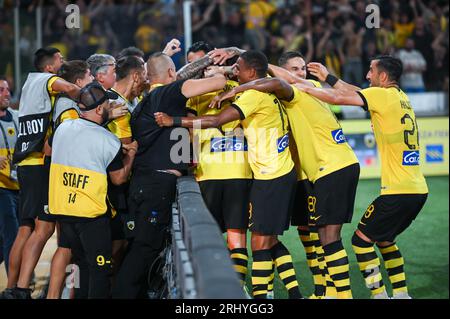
401	295
381	295
270	295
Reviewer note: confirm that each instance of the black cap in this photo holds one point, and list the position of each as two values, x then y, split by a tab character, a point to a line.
93	95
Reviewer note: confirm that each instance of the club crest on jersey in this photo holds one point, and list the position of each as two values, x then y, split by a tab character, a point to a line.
410	158
338	136
283	143
228	144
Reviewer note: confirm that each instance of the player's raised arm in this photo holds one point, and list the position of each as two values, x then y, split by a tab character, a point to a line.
284	74
207	121
191	70
62	86
197	87
334	96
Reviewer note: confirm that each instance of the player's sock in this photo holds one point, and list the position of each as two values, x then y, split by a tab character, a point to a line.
240	260
286	271
330	289
270	294
394	264
338	268
369	265
261	271
310	242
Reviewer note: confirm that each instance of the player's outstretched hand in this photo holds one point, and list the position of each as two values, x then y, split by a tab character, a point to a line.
218	99
117	110
163	119
318	70
130	148
220	56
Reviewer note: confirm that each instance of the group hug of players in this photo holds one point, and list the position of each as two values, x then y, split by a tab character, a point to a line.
271	154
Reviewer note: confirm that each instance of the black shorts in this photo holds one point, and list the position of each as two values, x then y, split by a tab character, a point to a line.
33	193
334	197
271	204
300	213
227	200
389	215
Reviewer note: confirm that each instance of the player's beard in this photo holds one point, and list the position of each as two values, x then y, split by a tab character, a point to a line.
105	117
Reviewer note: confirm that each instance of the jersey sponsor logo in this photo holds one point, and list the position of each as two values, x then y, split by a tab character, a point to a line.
411	158
283	143
435	153
338	136
228	144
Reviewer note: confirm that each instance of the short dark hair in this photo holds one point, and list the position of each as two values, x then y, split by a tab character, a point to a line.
256	60
44	57
131	51
391	65
74	70
286	56
200	46
127	64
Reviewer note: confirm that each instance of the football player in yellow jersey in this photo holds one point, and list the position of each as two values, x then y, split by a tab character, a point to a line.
294	62
403	186
266	128
224	175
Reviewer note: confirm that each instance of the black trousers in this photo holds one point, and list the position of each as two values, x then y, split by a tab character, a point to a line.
151	195
91	243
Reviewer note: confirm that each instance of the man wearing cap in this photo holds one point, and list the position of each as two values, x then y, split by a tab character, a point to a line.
78	179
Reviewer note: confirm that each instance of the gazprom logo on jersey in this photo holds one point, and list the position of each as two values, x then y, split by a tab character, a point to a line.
228	144
338	136
282	143
435	153
411	158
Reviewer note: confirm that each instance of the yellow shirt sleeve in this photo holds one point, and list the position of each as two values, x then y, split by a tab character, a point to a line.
375	98
247	103
295	100
50	84
120	127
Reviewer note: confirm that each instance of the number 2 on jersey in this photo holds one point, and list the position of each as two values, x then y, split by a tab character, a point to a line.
410	133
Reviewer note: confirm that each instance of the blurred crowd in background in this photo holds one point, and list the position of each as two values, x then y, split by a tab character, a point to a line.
331	32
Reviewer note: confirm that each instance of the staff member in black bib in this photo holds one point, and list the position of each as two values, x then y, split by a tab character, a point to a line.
164	154
35	224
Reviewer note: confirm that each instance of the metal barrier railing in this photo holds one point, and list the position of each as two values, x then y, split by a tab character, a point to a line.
201	267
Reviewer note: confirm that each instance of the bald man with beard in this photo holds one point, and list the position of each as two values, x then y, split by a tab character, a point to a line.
155	171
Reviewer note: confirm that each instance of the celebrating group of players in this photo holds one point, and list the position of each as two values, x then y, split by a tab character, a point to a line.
102	142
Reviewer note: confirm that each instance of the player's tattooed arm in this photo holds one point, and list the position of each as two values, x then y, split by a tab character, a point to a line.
192	70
